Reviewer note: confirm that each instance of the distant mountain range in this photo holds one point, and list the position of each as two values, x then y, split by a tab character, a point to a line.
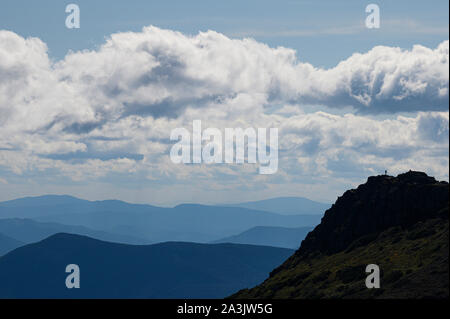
400	224
285	206
108	270
7	244
270	236
32	207
29	231
189	222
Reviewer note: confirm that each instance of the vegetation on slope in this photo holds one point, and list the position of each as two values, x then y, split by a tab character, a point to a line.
411	247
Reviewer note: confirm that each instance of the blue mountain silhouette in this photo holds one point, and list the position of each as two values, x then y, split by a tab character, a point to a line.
188	222
7	244
285	206
110	270
284	237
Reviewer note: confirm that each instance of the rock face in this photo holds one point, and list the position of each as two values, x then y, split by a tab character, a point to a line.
399	223
383	202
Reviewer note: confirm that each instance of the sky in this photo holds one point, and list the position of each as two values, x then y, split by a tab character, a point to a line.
322	32
89	111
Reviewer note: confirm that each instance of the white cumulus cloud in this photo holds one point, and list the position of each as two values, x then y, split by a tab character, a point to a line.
108	113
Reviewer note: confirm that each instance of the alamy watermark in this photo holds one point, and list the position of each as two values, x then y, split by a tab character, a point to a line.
73	279
373	19
373	279
230	147
73	19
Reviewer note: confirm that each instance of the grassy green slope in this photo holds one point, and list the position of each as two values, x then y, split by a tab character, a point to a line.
413	263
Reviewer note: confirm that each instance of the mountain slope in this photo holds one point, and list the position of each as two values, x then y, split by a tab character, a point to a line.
29	231
398	223
285	206
270	236
107	270
7	244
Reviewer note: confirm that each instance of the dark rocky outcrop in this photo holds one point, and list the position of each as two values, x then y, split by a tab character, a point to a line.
382	202
399	223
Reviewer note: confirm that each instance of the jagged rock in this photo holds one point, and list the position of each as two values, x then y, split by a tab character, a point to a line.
383	202
399	223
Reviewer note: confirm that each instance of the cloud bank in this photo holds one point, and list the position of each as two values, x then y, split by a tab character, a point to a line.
107	113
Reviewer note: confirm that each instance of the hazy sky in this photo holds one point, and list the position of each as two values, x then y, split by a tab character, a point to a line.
322	32
88	112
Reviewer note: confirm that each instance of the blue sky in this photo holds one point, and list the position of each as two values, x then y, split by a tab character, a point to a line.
88	112
322	32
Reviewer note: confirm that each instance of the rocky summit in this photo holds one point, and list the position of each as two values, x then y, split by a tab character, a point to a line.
398	223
